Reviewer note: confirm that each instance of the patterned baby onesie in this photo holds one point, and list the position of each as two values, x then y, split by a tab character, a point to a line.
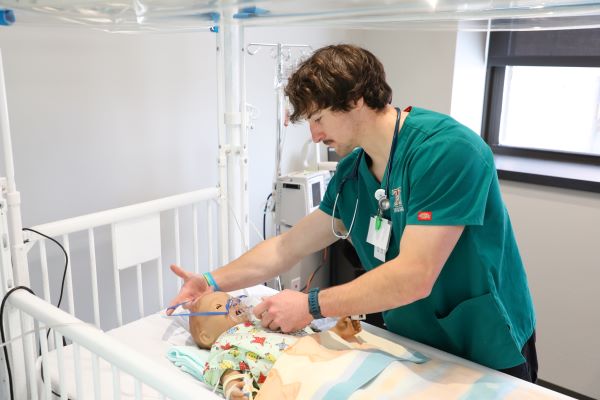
247	348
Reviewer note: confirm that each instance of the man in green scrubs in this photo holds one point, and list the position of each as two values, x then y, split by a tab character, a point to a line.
418	196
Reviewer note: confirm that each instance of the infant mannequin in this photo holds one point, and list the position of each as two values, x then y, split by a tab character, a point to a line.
241	351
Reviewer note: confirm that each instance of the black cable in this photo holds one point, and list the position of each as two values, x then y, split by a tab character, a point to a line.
312	277
265	216
62	285
10	383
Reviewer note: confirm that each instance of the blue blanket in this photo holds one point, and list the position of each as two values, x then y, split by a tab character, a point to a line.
190	359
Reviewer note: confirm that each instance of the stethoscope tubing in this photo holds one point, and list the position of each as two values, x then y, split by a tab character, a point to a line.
336	233
383	204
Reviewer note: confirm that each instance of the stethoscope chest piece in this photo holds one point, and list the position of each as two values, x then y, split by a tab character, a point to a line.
384	204
382	201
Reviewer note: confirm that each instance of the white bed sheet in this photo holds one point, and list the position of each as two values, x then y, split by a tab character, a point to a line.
155	334
152	336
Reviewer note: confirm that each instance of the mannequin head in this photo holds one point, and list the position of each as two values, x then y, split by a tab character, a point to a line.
206	329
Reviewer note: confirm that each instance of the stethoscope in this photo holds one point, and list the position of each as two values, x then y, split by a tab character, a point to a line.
381	195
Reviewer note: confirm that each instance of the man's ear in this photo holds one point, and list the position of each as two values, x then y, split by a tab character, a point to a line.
206	339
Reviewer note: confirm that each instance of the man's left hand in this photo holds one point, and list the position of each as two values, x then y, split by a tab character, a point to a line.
287	311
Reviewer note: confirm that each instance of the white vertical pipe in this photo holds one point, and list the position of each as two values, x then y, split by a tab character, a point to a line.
222	160
45	281
117	281
77	361
69	276
195	237
17	249
116	383
28	350
280	115
13	197
92	247
209	223
280	124
140	290
5	273
177	242
161	294
245	200
116	278
96	376
44	266
232	33
61	365
45	366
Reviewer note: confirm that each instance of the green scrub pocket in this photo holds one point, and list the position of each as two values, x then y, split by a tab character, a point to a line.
480	333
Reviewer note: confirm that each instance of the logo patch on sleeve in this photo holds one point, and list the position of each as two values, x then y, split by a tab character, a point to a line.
424	216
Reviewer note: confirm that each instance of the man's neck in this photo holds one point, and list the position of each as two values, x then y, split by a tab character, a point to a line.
377	136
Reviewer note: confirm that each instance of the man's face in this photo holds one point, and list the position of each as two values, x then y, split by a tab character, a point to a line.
336	129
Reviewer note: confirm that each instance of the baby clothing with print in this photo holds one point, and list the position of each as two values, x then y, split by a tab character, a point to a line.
248	348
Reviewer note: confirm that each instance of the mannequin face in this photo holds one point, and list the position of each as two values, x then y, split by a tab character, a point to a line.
206	329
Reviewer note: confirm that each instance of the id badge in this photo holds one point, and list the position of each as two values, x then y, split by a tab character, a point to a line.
379	236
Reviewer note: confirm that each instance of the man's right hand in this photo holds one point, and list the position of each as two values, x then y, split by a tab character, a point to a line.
194	287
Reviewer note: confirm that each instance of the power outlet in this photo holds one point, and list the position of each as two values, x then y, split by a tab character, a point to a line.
296	284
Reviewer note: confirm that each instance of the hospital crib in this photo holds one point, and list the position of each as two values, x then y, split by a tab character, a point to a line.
69	357
141	238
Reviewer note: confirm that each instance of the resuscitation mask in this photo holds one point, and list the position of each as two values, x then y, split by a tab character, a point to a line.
236	309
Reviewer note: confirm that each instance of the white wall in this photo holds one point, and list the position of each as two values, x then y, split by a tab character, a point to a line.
102	120
558	233
260	70
419	65
468	82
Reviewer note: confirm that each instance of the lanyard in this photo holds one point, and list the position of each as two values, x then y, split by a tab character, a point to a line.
383	201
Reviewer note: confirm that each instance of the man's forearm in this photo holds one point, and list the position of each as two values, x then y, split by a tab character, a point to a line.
277	254
259	264
403	280
389	286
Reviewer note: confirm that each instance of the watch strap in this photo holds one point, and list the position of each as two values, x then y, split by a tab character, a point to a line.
313	303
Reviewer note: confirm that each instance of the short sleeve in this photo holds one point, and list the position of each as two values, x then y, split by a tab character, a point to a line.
328	201
449	183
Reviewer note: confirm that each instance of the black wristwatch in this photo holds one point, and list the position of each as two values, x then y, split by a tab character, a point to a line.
313	303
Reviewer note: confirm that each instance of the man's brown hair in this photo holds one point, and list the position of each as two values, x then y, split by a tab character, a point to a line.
335	77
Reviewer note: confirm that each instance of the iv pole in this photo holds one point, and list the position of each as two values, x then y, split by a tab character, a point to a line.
282	52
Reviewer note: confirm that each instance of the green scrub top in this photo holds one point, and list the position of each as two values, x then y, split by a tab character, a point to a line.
443	173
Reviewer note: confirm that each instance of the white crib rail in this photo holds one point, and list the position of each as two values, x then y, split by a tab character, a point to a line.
169	383
123	213
61	230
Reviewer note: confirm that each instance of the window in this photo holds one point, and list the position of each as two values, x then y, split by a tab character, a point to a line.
543	103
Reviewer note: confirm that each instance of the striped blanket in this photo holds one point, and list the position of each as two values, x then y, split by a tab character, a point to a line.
327	367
